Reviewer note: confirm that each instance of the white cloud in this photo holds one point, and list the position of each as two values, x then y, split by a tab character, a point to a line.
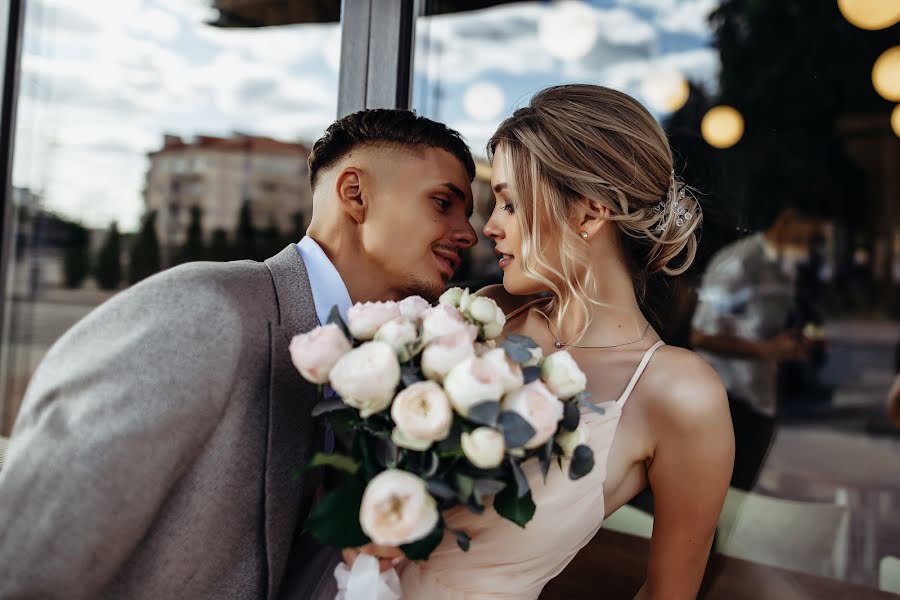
103	80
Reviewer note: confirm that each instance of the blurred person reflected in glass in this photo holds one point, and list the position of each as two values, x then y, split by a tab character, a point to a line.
740	326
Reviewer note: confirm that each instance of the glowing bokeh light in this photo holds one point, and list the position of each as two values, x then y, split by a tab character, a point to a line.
665	90
870	14
886	74
722	126
483	100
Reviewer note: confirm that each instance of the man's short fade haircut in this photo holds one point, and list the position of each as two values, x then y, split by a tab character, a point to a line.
385	126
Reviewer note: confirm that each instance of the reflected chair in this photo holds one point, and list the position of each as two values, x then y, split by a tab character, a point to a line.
889	575
803	536
630	520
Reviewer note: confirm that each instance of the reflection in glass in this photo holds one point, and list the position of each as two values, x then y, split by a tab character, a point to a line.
154	132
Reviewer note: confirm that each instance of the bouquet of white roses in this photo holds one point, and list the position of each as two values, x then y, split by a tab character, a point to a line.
429	414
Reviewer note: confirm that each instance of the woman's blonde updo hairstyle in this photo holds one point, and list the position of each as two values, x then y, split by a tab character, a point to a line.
588	141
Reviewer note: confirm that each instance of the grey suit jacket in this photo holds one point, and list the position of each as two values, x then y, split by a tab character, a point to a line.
154	451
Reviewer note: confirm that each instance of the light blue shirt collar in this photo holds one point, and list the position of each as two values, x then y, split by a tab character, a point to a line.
328	288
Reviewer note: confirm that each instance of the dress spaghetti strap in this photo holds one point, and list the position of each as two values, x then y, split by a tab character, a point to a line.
640	371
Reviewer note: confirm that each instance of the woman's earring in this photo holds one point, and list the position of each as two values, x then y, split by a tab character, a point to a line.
584	235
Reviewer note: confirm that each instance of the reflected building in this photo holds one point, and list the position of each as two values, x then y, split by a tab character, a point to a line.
218	175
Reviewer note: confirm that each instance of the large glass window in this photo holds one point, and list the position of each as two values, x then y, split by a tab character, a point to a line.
769	106
153	132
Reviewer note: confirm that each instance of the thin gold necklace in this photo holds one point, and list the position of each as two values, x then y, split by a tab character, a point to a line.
560	344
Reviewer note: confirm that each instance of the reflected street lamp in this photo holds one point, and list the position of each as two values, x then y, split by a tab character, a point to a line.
722	126
665	90
886	74
870	14
483	101
568	31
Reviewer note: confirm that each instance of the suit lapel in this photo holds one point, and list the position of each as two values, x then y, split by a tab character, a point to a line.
291	434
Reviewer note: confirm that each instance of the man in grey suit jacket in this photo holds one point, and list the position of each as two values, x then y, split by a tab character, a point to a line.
154	451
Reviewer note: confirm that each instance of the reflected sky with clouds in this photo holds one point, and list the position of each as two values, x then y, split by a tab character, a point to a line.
102	81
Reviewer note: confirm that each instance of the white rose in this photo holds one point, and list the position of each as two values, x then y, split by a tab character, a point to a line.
536	355
482	309
471	382
561	374
422	415
397	509
444	353
537	405
366	377
398	334
413	307
364	319
451	297
494	328
509	372
484	447
569	440
316	352
442	320
465	300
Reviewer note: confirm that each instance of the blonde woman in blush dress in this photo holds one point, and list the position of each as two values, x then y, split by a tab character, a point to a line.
587	208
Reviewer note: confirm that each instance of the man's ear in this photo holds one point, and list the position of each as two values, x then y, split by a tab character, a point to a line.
591	217
349	192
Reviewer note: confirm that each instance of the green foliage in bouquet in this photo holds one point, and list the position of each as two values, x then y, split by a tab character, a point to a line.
462	468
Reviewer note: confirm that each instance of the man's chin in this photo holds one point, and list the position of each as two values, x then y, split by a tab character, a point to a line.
430	289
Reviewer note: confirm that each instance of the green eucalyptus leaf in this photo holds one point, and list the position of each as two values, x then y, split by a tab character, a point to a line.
328	406
465	485
531	374
522	340
522	486
441	489
485	413
516	430
410	375
335	461
513	508
334	520
489	487
475	506
571	416
582	462
516	352
590	405
387	453
423	548
334	316
545	457
462	539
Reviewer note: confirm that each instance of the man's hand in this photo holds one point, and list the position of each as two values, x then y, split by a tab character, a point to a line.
388	556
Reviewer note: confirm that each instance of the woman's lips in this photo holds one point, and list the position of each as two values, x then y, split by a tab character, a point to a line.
505	260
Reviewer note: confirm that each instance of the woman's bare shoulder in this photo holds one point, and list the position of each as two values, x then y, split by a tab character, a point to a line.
506	301
683	390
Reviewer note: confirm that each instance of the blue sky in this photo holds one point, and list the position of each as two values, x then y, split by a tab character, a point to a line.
103	81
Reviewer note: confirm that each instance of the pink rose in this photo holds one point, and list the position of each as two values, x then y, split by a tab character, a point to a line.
422	415
471	382
367	377
397	509
442	320
510	373
316	352
444	353
537	405
364	319
413	307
